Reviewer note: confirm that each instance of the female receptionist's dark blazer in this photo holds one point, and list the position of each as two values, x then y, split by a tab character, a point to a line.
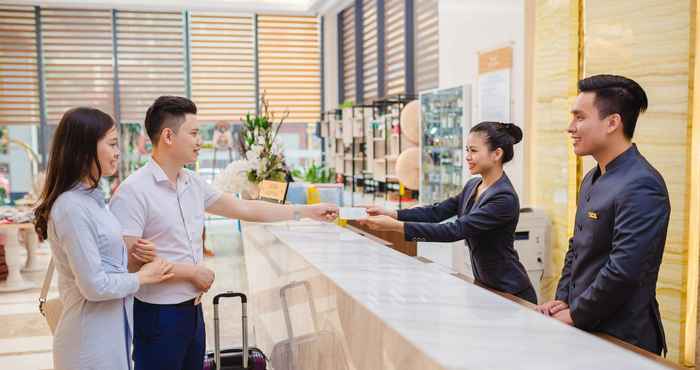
487	226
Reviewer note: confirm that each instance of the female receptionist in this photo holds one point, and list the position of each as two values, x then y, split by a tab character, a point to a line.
487	213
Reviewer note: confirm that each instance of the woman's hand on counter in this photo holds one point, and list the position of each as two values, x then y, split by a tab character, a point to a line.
379	211
383	223
320	212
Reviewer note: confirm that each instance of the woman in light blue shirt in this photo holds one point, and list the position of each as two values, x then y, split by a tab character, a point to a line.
94	331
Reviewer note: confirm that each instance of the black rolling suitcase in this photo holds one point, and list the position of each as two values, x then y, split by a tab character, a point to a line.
233	358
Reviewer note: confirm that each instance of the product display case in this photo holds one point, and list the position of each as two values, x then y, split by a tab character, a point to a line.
445	122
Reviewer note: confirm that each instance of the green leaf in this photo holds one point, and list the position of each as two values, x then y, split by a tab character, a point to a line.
253	176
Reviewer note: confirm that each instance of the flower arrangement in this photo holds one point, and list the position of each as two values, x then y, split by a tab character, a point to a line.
262	155
234	178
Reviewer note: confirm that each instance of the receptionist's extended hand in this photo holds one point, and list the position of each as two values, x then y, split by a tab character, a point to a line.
383	223
379	211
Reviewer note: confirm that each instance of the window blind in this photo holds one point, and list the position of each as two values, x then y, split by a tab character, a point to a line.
151	59
19	93
348	52
289	62
394	48
426	45
369	50
223	66
78	67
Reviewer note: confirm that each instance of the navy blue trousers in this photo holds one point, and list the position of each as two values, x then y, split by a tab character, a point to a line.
168	337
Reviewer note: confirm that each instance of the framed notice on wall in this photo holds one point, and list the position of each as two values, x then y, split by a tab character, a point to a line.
494	85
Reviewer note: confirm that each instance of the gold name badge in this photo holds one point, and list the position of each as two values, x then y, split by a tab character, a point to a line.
592	215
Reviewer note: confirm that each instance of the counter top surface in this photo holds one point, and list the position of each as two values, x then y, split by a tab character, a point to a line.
457	324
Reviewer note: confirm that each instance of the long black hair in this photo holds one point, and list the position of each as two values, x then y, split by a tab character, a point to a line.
500	135
73	153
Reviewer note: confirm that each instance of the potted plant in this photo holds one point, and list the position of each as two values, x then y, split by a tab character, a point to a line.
315	174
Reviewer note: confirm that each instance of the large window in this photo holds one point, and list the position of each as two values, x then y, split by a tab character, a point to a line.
120	61
398	52
19	94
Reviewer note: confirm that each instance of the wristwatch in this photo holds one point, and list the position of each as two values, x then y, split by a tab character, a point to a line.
297	213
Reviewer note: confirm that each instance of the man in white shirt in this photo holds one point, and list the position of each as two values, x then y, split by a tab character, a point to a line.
166	203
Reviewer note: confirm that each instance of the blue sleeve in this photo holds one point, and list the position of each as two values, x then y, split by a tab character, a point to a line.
77	233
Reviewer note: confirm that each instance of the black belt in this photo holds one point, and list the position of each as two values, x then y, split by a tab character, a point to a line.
189	303
185	303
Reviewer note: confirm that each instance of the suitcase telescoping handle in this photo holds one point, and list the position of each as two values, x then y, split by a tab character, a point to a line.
217	338
285	306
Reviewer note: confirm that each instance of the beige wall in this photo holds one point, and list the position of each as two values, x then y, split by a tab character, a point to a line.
694	205
554	77
651	42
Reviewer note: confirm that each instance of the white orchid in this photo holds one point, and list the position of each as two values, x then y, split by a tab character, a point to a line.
254	162
234	178
278	148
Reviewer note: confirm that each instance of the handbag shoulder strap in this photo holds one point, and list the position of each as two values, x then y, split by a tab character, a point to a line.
47	284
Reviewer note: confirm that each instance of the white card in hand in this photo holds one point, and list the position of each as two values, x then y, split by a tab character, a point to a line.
353	213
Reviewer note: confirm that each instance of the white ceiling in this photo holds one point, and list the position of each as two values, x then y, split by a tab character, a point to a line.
235	6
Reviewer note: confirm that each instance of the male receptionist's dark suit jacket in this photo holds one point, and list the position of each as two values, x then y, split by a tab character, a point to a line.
611	268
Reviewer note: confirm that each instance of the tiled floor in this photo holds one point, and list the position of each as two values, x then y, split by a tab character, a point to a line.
25	340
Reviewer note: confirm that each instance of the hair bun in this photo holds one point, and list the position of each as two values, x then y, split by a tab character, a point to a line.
513	131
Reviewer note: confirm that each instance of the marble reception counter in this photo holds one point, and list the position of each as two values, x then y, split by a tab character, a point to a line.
324	298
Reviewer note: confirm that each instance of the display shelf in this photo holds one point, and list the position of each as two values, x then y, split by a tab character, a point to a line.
445	123
364	144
